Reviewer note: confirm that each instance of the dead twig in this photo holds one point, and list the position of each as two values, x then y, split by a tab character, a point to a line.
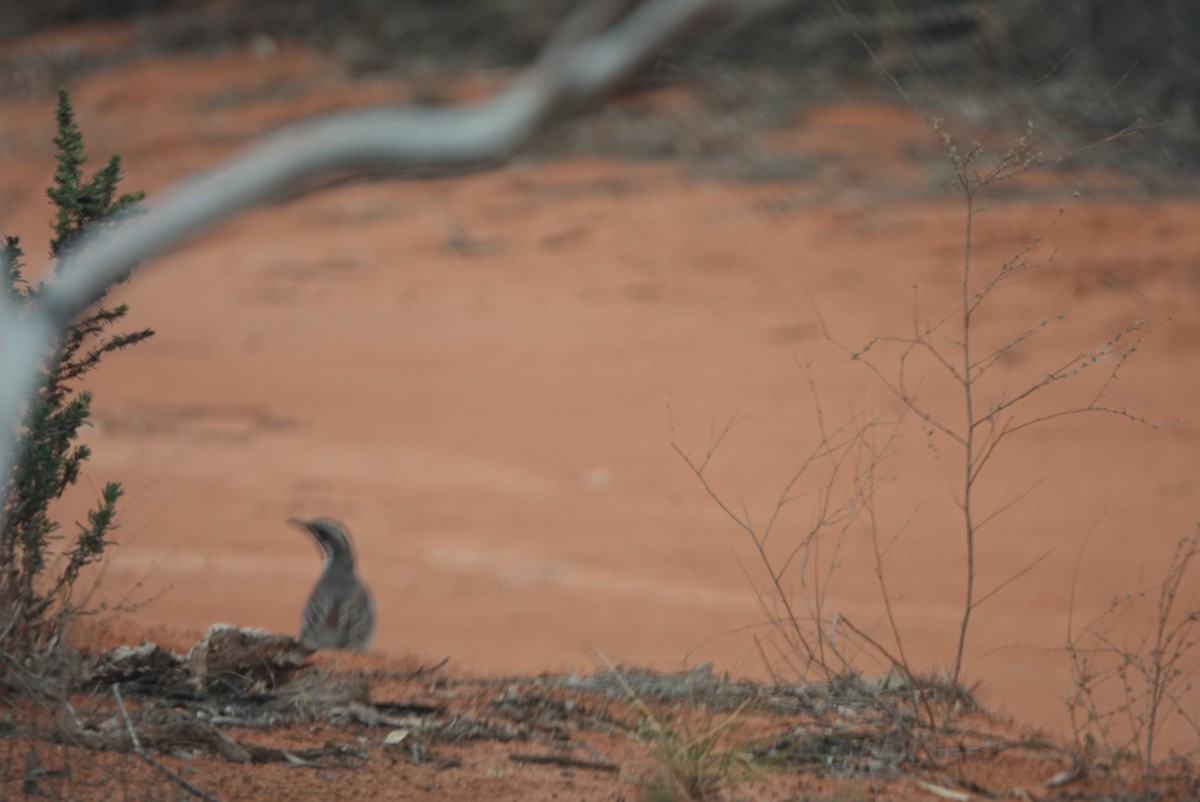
154	762
565	761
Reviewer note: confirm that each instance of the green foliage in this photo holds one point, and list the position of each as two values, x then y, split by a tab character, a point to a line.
10	257
78	202
34	600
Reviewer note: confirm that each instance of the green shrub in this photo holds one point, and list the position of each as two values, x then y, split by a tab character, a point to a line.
35	590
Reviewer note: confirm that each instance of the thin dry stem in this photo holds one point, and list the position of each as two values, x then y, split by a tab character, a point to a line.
984	423
1150	678
837	478
158	765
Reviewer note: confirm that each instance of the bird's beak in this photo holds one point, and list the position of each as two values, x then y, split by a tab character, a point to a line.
303	524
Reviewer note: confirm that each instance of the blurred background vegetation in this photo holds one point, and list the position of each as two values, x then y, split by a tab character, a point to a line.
1105	64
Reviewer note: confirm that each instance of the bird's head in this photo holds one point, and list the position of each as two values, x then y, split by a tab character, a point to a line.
330	535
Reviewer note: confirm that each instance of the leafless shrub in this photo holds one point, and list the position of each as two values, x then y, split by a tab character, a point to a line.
807	640
842	475
1134	666
833	479
992	409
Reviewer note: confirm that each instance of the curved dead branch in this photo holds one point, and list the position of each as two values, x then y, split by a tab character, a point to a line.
596	49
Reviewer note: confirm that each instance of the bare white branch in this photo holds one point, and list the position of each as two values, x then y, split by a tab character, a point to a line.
594	51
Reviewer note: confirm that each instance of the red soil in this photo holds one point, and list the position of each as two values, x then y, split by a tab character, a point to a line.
480	375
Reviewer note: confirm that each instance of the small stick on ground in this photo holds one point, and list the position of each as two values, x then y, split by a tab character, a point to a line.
564	761
161	767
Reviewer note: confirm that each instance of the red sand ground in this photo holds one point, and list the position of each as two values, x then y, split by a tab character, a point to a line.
478	375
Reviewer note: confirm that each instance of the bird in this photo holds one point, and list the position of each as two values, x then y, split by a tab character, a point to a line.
340	613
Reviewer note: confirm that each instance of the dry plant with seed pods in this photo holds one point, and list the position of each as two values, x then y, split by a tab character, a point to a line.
1129	689
841	476
991	409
